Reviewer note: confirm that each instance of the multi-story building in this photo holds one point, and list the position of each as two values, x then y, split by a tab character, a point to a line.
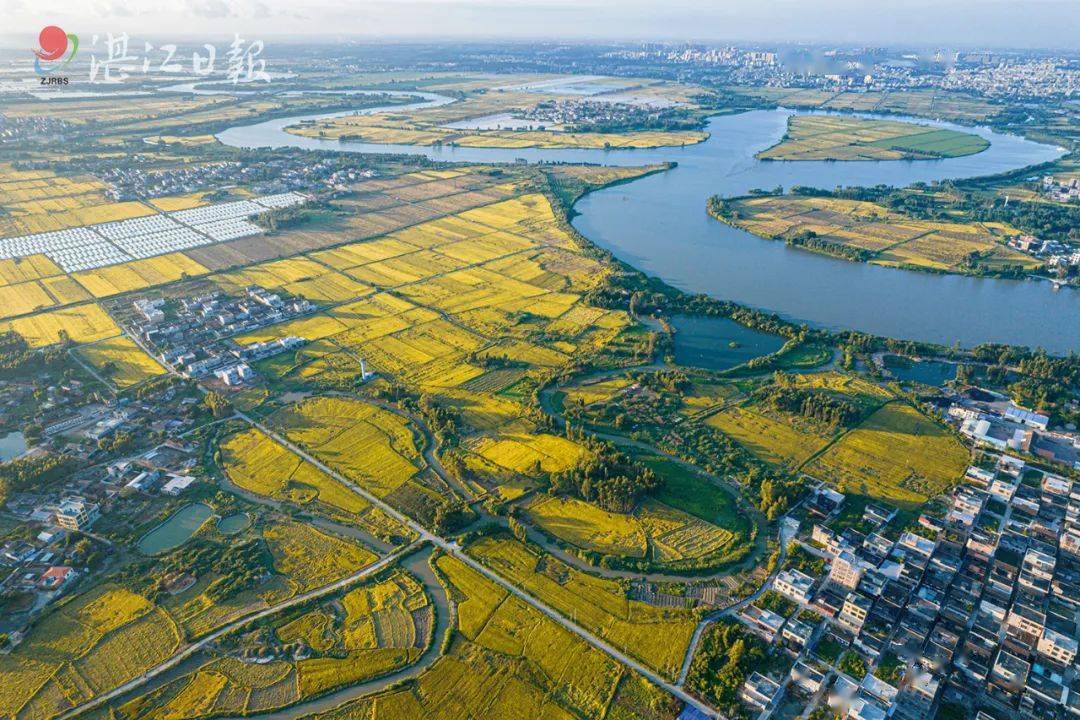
795	585
1057	647
917	697
853	613
847	570
76	514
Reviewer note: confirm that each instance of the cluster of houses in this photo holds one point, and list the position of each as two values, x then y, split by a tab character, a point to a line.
570	113
131	182
974	603
1004	427
1061	189
38	567
194	334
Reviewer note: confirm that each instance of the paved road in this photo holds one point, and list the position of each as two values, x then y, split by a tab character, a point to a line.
195	647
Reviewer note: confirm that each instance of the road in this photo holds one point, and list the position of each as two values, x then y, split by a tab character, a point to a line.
734	607
198	645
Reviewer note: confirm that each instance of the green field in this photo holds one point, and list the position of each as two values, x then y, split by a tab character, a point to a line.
837	137
897	455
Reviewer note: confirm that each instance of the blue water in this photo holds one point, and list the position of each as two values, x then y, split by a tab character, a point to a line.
659	225
175	531
716	343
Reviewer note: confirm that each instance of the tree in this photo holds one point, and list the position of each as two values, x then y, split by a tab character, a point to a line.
218	405
851	663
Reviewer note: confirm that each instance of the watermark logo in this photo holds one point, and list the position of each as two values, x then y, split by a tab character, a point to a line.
53	45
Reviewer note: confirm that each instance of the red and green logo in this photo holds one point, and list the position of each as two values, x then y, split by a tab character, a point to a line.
52	54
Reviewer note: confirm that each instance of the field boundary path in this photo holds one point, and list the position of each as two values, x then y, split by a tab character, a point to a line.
198	645
451	547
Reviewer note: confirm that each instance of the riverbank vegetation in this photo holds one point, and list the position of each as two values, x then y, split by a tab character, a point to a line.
870	232
496	113
830	137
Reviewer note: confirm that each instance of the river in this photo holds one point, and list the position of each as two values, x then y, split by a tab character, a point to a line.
659	225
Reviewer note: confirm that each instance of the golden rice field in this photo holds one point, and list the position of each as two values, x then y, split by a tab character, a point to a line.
138	274
589	527
311	558
90	645
510	662
837	137
888	237
654	530
297	276
897	455
595	392
14	271
599	605
786	439
478	283
80	323
35	283
926	103
258	464
772	439
374	447
379	632
121	361
527	454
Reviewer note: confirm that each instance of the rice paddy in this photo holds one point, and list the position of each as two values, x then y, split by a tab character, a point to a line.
369	631
258	464
78	323
597	604
101	640
897	455
882	236
372	446
122	361
509	661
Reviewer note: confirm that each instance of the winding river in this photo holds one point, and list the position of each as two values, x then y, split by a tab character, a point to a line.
659	225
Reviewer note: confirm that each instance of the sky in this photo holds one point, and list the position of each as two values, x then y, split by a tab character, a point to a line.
922	23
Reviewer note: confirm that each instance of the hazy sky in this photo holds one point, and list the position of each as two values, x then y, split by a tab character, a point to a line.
951	23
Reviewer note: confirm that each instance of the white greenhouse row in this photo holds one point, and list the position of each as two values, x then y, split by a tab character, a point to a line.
94	246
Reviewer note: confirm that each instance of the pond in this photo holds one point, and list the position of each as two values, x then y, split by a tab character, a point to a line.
927	372
175	531
12	446
233	524
717	343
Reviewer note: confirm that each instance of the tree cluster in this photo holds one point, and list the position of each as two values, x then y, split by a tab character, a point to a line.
607	478
32	472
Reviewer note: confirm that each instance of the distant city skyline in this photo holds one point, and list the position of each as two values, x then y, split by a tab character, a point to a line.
947	23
